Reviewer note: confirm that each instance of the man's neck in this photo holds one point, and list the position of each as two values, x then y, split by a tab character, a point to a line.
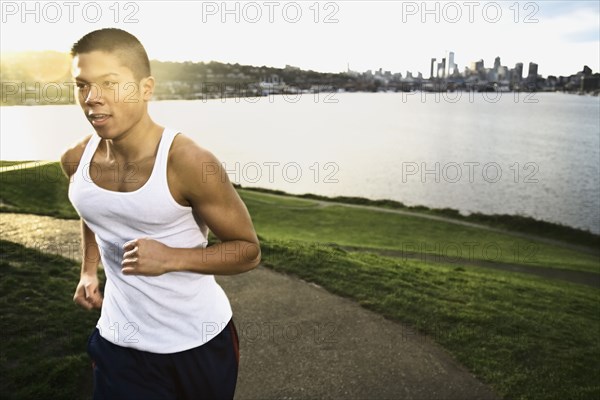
138	143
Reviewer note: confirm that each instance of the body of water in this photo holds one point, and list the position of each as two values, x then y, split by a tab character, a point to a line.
536	155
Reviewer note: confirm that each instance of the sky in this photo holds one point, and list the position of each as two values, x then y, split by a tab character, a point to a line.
327	36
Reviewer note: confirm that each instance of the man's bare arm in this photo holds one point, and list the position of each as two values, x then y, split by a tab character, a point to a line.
201	179
87	294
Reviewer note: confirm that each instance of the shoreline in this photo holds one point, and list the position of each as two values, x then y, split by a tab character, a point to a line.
508	222
511	222
324	92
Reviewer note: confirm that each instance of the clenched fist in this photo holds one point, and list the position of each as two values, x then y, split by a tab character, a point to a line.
87	294
145	257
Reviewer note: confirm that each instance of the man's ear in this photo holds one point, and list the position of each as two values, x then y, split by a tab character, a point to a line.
147	85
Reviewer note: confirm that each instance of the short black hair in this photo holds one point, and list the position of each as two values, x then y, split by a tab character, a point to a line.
121	43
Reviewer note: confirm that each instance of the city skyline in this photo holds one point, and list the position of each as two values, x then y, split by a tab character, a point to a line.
560	37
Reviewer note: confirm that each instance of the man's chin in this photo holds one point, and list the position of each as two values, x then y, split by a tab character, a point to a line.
105	133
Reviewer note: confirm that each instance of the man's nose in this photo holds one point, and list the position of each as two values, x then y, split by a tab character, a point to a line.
94	95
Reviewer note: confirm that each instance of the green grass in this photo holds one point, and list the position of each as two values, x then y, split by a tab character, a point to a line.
515	223
39	190
278	200
527	337
43	190
11	163
44	334
383	230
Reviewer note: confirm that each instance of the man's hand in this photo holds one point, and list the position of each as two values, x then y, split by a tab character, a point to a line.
87	294
145	257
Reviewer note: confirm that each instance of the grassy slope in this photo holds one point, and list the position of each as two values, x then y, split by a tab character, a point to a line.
44	334
11	163
43	190
528	337
304	220
369	228
513	223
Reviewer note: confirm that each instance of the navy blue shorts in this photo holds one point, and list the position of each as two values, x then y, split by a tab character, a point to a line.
208	371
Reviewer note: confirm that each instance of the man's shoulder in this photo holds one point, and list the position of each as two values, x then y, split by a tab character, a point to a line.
186	153
195	169
69	160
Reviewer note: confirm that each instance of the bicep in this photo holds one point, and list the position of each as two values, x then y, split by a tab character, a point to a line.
225	213
214	199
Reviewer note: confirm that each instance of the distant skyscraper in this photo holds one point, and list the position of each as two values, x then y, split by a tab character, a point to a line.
502	73
518	73
449	67
497	64
455	71
533	71
431	76
442	68
477	65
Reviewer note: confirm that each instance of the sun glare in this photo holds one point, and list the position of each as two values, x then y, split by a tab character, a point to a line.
55	65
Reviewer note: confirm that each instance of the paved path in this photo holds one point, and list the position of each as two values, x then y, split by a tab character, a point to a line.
298	341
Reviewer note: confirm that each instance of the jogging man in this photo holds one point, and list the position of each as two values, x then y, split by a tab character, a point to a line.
147	196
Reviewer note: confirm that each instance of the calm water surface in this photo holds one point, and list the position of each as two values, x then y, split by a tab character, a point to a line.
536	155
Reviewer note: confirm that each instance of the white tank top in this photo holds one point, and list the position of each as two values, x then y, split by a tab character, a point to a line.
169	313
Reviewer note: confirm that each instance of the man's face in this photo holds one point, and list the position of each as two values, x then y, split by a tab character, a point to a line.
110	96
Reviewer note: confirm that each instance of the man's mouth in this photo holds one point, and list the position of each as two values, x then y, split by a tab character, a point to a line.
98	119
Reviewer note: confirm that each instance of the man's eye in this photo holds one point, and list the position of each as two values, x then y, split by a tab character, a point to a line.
81	85
110	85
